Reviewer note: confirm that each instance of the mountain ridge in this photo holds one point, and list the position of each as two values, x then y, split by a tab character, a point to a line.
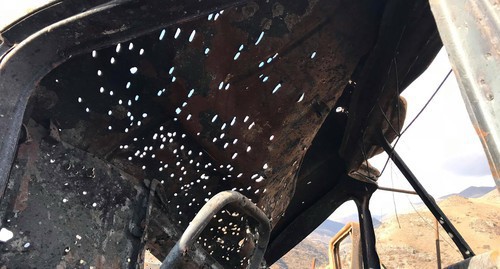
472	192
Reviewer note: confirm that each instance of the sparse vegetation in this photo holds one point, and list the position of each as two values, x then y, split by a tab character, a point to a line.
413	245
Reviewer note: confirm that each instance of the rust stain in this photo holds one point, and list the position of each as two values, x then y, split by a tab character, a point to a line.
27	152
481	133
21	202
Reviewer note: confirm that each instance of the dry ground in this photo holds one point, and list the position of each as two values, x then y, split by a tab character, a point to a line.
413	245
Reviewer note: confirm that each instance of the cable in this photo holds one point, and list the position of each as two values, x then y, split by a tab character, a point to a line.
412	121
427	103
394	199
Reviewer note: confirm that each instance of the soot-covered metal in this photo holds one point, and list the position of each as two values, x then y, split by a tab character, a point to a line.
272	99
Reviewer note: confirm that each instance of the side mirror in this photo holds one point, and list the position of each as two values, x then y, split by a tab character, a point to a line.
339	253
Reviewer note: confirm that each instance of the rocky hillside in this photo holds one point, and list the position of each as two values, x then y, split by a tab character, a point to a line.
413	245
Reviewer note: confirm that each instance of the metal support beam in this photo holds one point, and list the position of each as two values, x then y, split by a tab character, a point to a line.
368	240
396	190
206	213
348	188
429	201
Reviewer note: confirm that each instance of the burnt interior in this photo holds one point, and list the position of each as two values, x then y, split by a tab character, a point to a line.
262	98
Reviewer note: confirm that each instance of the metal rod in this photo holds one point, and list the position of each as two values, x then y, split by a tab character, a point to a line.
438	248
206	213
396	190
429	201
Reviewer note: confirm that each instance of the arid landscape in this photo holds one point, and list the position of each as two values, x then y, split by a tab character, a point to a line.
413	244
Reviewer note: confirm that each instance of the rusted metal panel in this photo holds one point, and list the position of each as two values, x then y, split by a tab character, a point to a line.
202	132
28	62
471	35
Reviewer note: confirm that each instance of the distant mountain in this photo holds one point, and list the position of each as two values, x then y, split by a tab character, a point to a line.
329	228
354	217
471	192
409	242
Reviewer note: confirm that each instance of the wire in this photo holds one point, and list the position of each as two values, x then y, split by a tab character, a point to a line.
394	199
388	121
427	103
412	121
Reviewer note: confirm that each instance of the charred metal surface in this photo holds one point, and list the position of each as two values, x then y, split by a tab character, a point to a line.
27	63
69	210
202	123
231	95
261	117
406	44
346	188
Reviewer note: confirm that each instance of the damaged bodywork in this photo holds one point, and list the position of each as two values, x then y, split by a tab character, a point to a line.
132	115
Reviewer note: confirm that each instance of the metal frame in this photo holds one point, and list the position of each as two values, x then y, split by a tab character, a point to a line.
459	241
368	239
206	213
348	188
351	228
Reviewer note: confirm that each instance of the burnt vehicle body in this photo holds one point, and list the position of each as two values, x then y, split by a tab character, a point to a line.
120	119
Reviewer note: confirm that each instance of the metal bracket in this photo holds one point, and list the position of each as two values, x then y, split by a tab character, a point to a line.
428	201
206	213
